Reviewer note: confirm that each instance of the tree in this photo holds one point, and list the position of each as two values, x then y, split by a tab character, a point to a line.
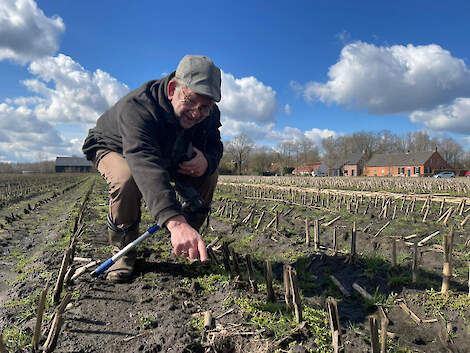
239	150
451	151
260	159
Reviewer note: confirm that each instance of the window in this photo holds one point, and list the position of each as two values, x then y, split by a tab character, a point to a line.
383	171
417	170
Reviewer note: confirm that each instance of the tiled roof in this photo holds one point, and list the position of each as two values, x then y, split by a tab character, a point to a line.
306	168
398	159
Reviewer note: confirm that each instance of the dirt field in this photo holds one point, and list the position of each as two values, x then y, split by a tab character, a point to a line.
162	309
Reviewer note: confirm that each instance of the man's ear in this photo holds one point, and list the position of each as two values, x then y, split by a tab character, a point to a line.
171	89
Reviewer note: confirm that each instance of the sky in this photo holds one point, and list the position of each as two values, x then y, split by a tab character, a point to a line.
290	69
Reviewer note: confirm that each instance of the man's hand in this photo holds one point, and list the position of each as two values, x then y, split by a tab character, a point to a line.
185	240
195	167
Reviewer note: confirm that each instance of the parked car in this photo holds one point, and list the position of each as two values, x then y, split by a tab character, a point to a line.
467	174
445	175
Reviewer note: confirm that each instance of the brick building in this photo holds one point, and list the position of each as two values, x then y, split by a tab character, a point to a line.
306	169
405	164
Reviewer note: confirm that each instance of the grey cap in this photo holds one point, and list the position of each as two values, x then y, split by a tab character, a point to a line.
201	75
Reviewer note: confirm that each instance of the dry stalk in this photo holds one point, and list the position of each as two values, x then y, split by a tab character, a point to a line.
41	306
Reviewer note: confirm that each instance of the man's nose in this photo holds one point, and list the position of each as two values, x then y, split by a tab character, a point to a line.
196	113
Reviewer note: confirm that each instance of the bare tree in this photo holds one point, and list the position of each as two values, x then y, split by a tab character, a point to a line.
239	150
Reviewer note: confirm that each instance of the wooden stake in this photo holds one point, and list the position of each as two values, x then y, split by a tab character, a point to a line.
353	239
260	219
429	237
374	335
465	221
295	296
442	206
451	210
394	212
331	222
233	254
56	326
40	312
426	214
394	253
287	289
226	257
251	274
447	242
335	242
307	232
415	261
340	286
362	292
316	234
208	320
409	312
384	326
60	278
335	326
268	275
381	229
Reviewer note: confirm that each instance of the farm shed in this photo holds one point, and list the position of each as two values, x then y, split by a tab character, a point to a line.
73	165
352	165
405	164
306	169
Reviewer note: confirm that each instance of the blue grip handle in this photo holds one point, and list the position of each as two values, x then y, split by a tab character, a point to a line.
103	267
153	228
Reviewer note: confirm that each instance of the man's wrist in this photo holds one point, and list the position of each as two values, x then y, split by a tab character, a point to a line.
175	221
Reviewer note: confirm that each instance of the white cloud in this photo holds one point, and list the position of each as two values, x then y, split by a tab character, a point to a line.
23	135
247	99
77	95
395	79
26	33
268	134
454	117
287	109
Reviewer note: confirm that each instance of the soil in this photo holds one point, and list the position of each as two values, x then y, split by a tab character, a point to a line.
162	308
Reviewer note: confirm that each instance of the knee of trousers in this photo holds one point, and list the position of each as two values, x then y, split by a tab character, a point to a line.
125	188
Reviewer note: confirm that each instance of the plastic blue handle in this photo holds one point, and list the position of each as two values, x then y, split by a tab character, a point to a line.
103	267
153	228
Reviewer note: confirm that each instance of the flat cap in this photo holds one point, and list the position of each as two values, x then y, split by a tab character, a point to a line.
201	75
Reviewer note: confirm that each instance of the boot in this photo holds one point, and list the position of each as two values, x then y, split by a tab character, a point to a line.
123	269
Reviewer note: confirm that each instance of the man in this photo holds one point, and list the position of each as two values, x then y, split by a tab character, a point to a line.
166	130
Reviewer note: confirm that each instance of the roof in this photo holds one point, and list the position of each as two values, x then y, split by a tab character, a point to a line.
72	162
274	167
306	168
398	159
353	158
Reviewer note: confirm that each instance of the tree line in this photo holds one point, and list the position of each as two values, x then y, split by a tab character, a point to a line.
243	156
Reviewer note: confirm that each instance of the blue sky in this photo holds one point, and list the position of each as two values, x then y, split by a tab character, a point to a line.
291	70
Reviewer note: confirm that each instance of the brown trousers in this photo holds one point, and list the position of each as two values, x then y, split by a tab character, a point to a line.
125	197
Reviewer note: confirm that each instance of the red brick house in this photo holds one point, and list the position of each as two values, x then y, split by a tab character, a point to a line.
306	169
354	164
405	164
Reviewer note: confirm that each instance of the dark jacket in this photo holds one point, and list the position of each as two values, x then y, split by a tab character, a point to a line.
142	127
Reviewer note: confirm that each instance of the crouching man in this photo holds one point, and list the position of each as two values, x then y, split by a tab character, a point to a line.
164	131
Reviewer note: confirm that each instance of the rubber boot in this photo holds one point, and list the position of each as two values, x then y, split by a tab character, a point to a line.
123	269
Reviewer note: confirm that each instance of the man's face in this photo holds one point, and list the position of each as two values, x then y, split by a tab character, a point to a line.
189	107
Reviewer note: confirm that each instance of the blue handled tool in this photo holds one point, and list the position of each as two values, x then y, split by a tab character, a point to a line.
108	263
